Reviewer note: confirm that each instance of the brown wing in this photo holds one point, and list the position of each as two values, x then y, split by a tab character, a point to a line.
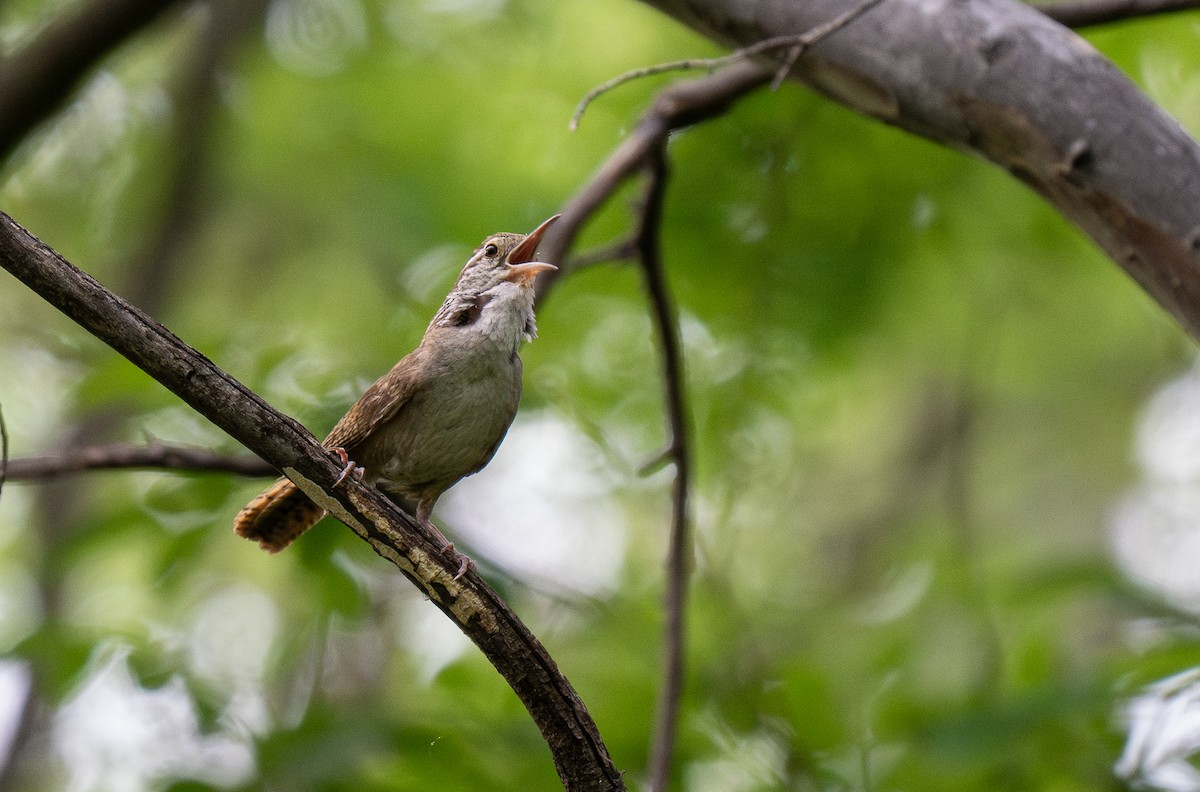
379	403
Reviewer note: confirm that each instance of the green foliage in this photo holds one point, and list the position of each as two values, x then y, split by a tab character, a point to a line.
916	396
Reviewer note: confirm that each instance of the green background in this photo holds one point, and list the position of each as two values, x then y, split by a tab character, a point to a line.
944	496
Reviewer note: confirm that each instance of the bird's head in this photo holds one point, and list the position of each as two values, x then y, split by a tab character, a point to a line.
504	258
500	271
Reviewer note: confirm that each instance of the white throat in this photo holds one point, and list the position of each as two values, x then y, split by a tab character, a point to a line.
507	317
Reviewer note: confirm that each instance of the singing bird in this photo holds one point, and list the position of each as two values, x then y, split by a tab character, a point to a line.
442	411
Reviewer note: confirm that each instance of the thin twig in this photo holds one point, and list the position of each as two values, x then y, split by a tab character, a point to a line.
679	550
814	35
796	44
621	250
657	462
123	456
676	106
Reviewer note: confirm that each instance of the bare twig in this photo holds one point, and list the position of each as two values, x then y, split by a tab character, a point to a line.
796	45
123	456
579	753
679	550
621	250
675	107
657	462
1084	13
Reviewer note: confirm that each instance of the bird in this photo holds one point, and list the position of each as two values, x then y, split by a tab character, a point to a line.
441	412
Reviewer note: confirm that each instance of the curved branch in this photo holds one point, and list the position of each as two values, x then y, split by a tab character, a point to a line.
999	79
579	754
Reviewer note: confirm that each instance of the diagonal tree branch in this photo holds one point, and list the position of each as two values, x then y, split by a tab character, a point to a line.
579	753
999	79
1084	13
677	106
35	81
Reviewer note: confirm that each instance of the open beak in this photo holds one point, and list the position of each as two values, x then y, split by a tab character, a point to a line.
521	266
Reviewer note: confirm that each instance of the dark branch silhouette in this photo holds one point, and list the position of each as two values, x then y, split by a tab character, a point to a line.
124	456
677	106
679	547
35	81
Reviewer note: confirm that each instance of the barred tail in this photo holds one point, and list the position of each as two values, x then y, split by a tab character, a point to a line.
277	516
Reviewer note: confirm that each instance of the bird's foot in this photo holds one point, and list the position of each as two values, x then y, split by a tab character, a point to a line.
351	466
464	561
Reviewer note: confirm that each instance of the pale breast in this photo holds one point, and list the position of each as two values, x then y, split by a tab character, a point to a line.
452	426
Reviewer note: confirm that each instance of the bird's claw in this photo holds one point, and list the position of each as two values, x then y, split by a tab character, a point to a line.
464	561
351	467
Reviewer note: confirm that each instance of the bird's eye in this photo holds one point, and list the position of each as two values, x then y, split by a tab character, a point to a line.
490	251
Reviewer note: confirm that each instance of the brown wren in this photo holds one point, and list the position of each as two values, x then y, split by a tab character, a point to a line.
441	412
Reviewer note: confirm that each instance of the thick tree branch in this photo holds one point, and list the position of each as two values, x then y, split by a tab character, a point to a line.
1001	80
35	81
1084	13
579	753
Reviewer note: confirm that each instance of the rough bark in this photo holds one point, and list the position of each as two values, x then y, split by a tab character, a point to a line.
999	79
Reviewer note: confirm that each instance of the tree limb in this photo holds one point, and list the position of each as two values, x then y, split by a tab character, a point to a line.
1084	13
123	456
579	753
37	80
999	79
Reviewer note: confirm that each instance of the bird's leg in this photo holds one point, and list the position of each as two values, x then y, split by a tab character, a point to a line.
424	507
351	466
